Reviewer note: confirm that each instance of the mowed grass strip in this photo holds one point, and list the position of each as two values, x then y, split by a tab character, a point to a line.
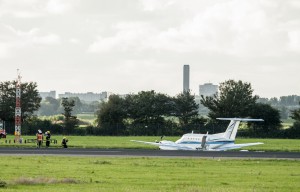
48	173
291	145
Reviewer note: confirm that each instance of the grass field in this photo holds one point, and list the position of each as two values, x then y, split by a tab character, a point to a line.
70	173
90	118
56	173
124	142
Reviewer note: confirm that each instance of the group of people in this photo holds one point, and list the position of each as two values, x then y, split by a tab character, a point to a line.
40	138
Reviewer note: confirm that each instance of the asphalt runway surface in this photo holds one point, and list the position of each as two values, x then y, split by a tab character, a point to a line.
149	153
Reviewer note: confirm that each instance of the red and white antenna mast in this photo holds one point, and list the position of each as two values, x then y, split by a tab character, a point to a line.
18	109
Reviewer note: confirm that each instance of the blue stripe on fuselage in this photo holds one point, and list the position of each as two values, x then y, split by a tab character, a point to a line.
209	143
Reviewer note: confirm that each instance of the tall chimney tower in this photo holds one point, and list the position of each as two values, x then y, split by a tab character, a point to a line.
186	78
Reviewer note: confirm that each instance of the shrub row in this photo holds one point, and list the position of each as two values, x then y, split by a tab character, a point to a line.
169	128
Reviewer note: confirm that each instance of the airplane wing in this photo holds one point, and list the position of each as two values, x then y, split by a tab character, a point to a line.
168	145
146	142
235	146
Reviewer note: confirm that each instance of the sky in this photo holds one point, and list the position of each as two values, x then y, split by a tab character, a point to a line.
129	46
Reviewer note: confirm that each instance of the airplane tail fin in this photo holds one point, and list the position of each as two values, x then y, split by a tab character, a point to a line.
233	126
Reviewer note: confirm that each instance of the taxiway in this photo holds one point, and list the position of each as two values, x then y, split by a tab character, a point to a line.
149	153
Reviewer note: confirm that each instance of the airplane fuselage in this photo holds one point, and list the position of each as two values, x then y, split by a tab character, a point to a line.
198	142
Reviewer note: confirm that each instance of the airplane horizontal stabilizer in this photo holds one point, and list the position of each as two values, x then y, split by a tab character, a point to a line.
240	119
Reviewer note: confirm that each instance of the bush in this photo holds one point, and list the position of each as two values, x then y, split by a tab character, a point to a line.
90	130
2	184
31	126
294	131
80	131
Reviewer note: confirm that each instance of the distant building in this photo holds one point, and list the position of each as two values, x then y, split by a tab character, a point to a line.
43	95
208	89
87	97
186	78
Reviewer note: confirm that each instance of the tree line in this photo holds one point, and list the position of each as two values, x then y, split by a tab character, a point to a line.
285	104
149	113
287	101
51	106
154	114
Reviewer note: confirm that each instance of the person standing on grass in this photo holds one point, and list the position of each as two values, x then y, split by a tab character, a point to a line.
39	139
48	136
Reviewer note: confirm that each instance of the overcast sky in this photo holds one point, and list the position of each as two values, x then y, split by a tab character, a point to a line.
126	46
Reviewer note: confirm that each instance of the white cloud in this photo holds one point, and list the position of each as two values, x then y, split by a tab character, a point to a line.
128	36
74	41
48	39
294	40
35	8
34	36
151	40
294	3
232	27
24	40
21	8
4	50
59	7
154	5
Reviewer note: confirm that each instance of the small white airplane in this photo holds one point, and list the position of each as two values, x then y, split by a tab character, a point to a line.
207	142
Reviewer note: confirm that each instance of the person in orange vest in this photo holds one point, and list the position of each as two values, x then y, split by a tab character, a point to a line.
39	139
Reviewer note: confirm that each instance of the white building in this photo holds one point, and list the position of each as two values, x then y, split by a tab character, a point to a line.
43	95
87	97
208	89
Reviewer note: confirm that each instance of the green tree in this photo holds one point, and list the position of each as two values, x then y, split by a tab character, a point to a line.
49	106
271	117
147	106
77	105
235	99
290	100
30	100
294	131
90	107
8	101
185	108
147	110
274	101
284	112
70	120
142	114
296	114
111	115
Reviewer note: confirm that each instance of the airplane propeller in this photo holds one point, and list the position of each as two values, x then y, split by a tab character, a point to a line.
161	138
203	143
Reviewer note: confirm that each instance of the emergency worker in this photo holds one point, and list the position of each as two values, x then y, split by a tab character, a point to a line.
39	139
64	142
48	136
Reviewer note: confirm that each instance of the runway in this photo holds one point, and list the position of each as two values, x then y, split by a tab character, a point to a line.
149	153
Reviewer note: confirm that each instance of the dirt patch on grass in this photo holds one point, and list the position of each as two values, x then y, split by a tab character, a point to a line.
43	180
102	162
